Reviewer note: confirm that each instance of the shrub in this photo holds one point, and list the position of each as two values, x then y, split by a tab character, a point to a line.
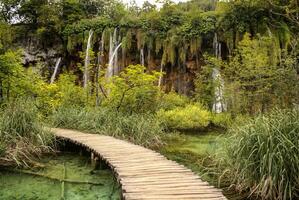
143	129
222	120
71	94
133	90
264	155
172	100
62	93
191	117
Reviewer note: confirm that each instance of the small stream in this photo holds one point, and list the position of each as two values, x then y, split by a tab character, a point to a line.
46	184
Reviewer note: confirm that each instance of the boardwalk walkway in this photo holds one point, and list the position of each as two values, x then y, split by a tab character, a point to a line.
143	173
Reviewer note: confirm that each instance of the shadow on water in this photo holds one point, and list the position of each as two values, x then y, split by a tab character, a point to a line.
67	175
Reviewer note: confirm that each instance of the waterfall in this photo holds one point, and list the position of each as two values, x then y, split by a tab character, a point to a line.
142	57
161	76
217	46
98	70
113	55
219	105
111	62
111	46
103	42
87	60
115	62
55	70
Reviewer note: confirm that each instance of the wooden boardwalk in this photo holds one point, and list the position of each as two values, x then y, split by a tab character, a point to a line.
143	173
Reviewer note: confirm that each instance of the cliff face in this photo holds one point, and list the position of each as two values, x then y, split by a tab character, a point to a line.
177	77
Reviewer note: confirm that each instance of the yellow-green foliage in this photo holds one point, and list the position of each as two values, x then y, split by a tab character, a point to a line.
133	90
48	96
64	92
191	117
222	120
255	77
172	100
71	94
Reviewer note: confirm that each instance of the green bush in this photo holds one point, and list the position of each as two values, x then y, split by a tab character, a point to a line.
62	93
172	100
264	155
71	94
222	120
133	90
143	129
191	117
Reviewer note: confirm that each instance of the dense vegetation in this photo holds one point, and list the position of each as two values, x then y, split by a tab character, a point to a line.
195	66
264	154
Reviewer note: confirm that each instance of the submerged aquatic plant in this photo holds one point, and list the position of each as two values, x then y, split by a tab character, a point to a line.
264	155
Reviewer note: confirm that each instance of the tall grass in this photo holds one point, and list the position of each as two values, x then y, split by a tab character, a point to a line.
143	129
264	155
22	134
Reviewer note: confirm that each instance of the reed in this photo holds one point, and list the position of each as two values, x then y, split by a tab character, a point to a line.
22	135
264	155
143	129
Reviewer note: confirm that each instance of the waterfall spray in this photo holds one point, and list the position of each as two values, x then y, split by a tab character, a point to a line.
55	70
219	105
87	60
161	76
111	61
98	71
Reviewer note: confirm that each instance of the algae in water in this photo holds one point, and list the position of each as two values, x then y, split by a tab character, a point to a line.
21	186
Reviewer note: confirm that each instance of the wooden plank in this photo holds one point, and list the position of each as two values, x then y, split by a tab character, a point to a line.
143	173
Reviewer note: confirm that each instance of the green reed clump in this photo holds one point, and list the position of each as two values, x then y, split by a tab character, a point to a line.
22	134
264	155
143	129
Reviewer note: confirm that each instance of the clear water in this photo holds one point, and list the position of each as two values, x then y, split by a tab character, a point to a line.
198	144
21	186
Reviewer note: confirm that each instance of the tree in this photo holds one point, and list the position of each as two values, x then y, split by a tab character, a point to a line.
255	73
133	90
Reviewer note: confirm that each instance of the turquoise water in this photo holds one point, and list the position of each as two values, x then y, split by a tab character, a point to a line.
23	186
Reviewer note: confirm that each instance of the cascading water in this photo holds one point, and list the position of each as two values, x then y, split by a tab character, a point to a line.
161	76
87	60
111	61
217	46
100	64
111	46
142	57
115	62
219	105
55	70
113	55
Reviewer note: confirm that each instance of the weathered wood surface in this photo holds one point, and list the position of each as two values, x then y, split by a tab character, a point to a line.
143	173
